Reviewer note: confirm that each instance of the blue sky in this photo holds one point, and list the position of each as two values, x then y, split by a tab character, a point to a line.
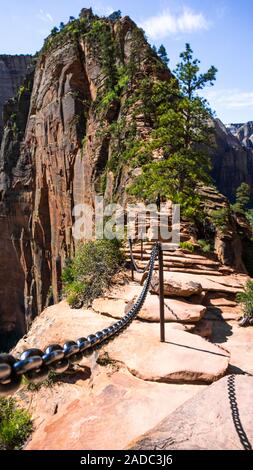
219	31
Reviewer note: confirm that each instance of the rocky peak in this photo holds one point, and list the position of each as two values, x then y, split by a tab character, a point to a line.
86	13
245	134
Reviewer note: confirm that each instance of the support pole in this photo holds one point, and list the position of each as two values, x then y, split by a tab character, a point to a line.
161	294
141	249
132	264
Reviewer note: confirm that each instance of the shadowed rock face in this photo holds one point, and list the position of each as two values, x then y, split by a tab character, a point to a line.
232	160
13	69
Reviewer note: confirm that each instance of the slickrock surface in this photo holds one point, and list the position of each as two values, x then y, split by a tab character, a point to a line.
116	409
175	310
60	323
134	382
238	341
205	422
182	358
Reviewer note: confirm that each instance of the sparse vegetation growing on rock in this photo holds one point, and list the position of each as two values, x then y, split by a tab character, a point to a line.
187	246
246	299
15	425
205	246
90	272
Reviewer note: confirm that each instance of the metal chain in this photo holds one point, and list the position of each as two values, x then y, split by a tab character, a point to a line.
35	364
136	268
236	415
171	311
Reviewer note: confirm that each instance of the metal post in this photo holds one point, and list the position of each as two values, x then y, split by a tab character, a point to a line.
132	264
161	294
141	249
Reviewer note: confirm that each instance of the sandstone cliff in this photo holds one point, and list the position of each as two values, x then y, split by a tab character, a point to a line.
232	160
13	69
53	156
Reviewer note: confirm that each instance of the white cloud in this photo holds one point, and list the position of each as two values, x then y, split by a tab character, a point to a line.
45	17
101	9
168	23
229	98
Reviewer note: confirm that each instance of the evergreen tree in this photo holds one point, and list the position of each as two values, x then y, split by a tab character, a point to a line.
54	31
62	25
243	194
178	142
162	53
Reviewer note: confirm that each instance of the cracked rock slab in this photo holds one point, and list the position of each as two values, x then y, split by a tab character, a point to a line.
117	409
183	358
175	310
206	421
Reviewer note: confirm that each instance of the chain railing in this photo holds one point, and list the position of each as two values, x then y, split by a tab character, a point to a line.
35	364
134	267
134	264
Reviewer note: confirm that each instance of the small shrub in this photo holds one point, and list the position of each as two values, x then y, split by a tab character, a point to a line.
109	98
187	246
21	91
205	246
246	300
15	425
89	273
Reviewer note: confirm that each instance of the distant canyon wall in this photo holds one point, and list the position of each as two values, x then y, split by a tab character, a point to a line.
13	69
232	161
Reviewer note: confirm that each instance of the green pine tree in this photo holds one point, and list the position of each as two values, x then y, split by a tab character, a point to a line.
178	142
243	194
162	53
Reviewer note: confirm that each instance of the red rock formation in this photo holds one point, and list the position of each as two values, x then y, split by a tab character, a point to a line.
55	151
55	160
